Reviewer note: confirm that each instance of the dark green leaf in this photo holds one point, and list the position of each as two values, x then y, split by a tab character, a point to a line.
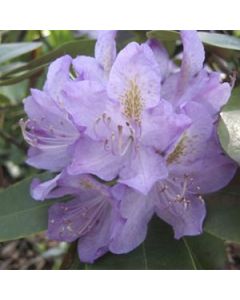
4	100
223	212
229	126
208	251
20	215
23	76
163	35
12	50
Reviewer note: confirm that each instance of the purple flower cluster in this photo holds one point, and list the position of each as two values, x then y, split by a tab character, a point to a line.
130	135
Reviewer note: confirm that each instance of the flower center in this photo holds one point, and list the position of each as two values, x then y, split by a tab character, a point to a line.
132	102
176	190
116	138
177	152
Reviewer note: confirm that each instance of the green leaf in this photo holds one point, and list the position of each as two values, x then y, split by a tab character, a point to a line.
160	251
163	35
229	126
10	67
223	212
15	93
12	50
81	47
222	44
58	37
208	251
20	215
23	76
4	100
220	40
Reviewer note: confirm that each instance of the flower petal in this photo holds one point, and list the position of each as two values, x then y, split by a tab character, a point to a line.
193	57
61	185
47	115
215	170
58	74
96	242
85	101
161	56
87	68
137	211
169	87
105	49
135	77
207	89
40	191
76	218
47	159
144	169
49	131
161	126
186	217
91	157
193	144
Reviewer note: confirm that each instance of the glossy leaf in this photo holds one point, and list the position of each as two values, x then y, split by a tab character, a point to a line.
80	47
215	40
12	50
208	251
223	217
229	126
23	76
10	67
220	40
20	215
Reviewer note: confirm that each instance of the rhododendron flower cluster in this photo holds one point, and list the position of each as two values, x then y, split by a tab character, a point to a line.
130	135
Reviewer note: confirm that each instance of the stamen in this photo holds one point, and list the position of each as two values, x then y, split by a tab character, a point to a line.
120	131
95	125
106	145
125	148
112	143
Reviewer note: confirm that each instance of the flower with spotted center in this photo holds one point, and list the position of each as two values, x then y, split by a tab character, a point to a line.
134	119
126	122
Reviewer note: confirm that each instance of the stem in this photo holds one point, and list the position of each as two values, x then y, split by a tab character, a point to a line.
11	140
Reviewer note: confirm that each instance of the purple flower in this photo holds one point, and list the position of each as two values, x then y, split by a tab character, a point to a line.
90	217
127	125
197	166
196	162
136	119
49	129
192	82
